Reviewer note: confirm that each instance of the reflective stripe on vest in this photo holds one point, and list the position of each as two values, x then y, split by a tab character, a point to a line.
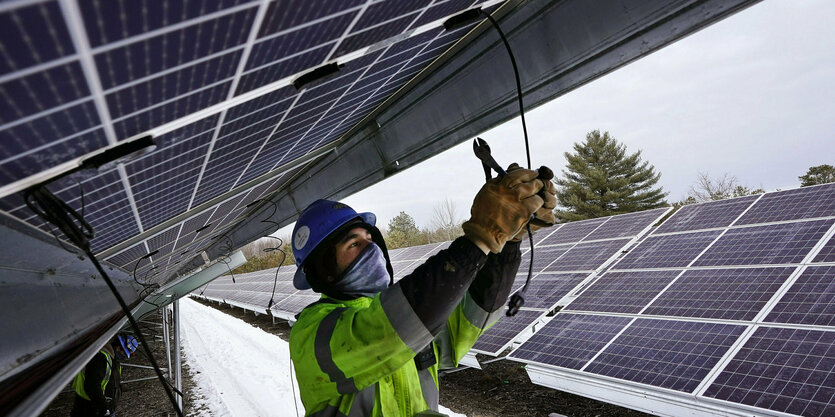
78	382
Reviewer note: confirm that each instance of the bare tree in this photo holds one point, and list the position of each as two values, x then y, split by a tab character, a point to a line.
445	220
708	188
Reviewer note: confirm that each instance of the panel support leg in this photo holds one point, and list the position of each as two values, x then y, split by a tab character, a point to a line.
178	380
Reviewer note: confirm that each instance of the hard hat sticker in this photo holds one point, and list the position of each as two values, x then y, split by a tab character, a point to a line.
301	237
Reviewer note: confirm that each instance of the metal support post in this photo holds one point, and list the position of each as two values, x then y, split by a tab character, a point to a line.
167	337
178	381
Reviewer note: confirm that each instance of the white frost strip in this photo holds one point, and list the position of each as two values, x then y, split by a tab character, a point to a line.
238	369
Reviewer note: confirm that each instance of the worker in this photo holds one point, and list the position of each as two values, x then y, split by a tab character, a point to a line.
97	388
372	347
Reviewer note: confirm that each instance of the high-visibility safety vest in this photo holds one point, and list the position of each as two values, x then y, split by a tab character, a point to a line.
358	357
78	382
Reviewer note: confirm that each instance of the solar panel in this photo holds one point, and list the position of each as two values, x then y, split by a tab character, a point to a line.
802	203
626	225
694	291
546	289
706	215
810	300
98	73
782	369
587	256
572	232
622	292
667	251
772	244
725	294
498	337
570	340
669	354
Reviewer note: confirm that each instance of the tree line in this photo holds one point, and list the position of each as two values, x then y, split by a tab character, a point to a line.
601	178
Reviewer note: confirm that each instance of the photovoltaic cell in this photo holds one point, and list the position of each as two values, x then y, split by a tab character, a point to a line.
624	225
668	354
497	337
547	255
622	292
781	369
770	244
26	44
572	232
810	300
667	251
827	253
570	340
587	256
706	215
546	289
802	203
725	294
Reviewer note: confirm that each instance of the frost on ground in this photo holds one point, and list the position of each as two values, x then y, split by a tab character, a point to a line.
238	369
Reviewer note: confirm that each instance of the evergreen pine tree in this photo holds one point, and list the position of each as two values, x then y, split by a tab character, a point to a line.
600	179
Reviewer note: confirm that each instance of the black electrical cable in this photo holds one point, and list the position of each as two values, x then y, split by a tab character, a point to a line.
517	300
53	210
271	249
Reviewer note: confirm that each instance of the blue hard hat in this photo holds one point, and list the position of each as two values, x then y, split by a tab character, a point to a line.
317	221
129	344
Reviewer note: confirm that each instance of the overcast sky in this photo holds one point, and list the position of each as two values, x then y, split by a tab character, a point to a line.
752	96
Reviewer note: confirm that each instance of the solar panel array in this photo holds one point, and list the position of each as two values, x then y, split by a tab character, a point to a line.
212	82
731	301
564	257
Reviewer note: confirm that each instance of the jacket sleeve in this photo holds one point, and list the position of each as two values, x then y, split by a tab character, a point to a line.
94	374
481	307
350	348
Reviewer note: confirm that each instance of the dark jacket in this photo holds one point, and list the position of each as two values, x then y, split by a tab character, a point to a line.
97	386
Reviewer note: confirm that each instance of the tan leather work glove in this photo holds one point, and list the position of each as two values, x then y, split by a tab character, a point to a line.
502	207
545	214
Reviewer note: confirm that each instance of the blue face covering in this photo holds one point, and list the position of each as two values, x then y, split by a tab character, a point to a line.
367	275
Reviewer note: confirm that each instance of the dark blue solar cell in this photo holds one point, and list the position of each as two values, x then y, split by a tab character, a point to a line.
622	292
169	86
570	340
385	11
572	232
498	337
772	244
106	208
785	370
359	40
26	43
196	223
52	127
127	258
282	69
227	162
667	251
159	115
546	289
110	21
284	15
810	300
625	225
706	215
44	157
297	41
168	175
260	104
167	237
827	252
42	91
669	354
802	203
545	256
726	294
172	49
587	256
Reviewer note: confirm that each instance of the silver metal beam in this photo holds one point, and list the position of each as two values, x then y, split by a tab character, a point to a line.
178	377
167	338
